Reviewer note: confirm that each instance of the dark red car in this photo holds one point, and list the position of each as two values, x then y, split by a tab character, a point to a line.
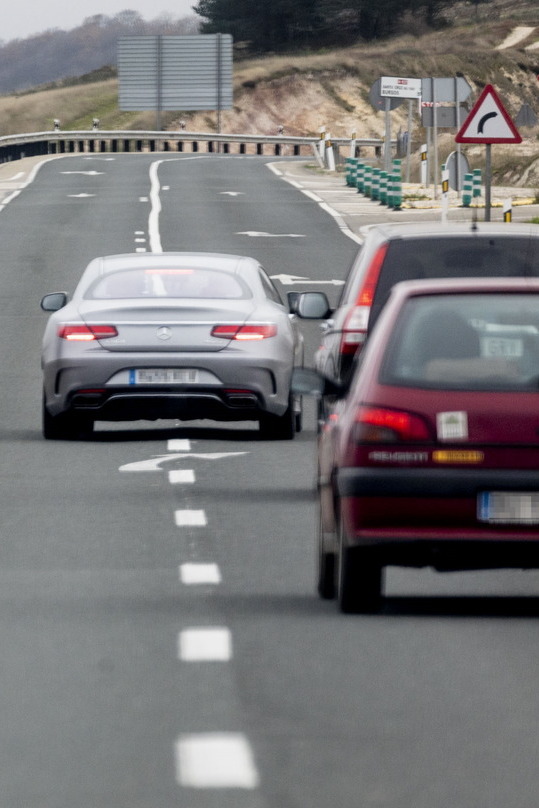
430	456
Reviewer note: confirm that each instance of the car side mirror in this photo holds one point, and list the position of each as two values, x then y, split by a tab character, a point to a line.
309	305
54	301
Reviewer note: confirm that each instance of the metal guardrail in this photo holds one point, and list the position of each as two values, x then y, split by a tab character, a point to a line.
15	147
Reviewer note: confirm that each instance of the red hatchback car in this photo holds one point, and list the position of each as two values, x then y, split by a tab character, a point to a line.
430	456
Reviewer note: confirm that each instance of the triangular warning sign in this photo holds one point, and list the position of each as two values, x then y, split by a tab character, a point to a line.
488	122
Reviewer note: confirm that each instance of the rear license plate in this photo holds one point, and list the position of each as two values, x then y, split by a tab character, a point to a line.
503	507
163	376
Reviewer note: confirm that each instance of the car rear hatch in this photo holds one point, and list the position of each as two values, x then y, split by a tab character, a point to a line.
167	326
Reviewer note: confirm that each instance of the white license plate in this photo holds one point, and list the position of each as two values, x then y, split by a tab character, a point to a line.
502	347
163	376
517	508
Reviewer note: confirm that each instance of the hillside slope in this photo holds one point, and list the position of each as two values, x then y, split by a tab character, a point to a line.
494	43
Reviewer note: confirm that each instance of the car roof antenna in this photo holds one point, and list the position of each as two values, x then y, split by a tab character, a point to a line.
474	220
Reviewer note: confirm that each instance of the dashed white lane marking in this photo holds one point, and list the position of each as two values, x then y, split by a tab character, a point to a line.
181	445
181	476
215	760
189	518
193	574
207	644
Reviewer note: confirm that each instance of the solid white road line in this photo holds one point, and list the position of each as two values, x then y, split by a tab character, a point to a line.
215	760
206	644
188	518
181	476
194	574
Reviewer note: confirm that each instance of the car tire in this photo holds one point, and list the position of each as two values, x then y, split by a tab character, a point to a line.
360	580
326	567
278	427
65	426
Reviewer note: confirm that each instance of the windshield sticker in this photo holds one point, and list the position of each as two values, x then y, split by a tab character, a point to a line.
452	425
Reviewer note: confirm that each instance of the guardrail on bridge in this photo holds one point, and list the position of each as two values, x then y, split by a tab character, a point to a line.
15	147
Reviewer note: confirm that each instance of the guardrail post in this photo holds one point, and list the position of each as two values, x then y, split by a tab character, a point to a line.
467	186
383	187
476	184
508	210
375	184
360	177
367	185
397	185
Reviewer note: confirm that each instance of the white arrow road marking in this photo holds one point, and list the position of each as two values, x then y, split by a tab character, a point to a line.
289	280
154	463
232	193
79	196
86	173
256	234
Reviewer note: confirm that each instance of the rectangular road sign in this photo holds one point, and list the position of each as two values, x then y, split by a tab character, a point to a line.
394	87
175	72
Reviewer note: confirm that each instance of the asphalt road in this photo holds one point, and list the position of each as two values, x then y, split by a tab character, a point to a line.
162	644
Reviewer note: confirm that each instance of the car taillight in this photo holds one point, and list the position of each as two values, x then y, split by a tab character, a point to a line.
354	331
244	332
86	333
381	425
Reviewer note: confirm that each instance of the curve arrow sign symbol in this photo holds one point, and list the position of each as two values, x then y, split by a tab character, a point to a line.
484	119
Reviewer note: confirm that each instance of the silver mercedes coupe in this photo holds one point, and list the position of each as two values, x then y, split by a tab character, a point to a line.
179	335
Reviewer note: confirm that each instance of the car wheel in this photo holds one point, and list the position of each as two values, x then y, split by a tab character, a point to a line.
278	427
326	566
359	580
65	426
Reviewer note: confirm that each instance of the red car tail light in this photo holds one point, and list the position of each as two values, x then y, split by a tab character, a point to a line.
380	425
86	333
244	332
354	329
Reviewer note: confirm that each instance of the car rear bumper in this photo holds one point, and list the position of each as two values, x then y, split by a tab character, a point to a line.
124	404
418	518
432	482
268	382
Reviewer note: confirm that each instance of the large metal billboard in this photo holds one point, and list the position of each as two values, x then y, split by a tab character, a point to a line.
175	72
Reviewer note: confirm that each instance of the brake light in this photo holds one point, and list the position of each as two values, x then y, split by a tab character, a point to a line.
244	332
381	425
86	333
354	330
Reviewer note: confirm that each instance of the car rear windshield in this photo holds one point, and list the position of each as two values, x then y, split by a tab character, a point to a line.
176	283
466	342
476	255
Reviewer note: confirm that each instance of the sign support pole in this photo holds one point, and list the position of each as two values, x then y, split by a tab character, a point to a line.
409	140
387	147
488	180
